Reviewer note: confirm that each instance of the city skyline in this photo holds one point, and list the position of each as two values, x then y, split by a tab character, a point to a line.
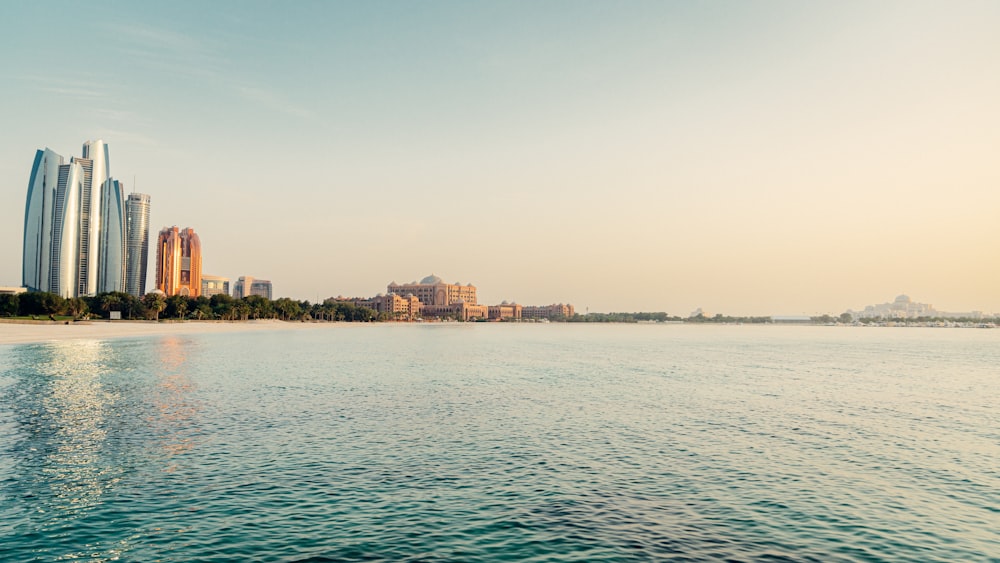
744	158
73	240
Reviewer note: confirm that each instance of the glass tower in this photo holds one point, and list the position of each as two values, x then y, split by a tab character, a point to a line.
137	243
74	225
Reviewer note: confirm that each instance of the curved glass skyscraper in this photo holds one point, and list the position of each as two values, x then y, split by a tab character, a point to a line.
39	215
96	166
111	240
74	225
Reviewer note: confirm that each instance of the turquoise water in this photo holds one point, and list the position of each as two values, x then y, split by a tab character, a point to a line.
504	443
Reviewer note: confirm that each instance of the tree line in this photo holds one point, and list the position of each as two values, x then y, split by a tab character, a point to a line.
155	306
661	318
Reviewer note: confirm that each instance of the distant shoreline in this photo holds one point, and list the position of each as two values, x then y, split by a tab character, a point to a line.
21	331
30	332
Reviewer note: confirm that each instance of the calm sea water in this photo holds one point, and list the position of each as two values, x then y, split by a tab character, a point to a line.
505	443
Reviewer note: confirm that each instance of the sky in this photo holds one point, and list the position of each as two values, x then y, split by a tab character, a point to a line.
747	158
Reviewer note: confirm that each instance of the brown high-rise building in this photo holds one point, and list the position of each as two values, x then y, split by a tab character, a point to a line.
178	262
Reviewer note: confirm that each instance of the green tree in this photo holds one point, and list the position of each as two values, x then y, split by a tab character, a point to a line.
76	307
41	303
203	311
131	305
177	307
260	307
287	309
241	310
155	303
9	304
222	306
110	302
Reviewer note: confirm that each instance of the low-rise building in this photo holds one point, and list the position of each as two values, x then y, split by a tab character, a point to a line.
394	306
505	312
214	285
246	286
555	311
460	311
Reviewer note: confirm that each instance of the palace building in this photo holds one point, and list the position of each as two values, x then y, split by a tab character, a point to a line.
440	299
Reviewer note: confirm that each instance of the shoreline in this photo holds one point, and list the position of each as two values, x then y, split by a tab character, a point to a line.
39	331
34	332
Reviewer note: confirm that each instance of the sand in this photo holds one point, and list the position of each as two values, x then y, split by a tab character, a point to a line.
20	333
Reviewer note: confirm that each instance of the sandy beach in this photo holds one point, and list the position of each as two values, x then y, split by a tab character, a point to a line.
21	333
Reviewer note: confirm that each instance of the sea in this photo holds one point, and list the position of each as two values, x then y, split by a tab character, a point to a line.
504	442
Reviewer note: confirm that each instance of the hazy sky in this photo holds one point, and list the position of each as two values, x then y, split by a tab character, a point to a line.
743	157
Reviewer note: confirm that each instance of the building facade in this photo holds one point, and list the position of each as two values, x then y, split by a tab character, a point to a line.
506	312
460	311
178	262
111	252
394	306
214	285
555	311
246	286
96	166
440	299
432	290
136	243
74	226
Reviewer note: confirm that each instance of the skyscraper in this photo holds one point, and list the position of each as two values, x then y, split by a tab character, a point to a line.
39	216
96	167
178	262
137	243
74	227
111	241
64	255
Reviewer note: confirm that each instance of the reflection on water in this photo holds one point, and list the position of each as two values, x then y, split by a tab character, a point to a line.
80	421
76	409
62	413
172	398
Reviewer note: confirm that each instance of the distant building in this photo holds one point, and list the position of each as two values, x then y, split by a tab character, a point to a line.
459	301
432	290
246	286
396	307
557	311
440	299
460	311
12	290
136	243
178	262
905	308
214	285
505	312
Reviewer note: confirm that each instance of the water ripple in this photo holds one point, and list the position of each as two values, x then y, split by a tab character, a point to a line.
504	443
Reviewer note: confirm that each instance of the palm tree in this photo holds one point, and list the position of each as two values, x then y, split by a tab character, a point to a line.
154	302
75	307
110	301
